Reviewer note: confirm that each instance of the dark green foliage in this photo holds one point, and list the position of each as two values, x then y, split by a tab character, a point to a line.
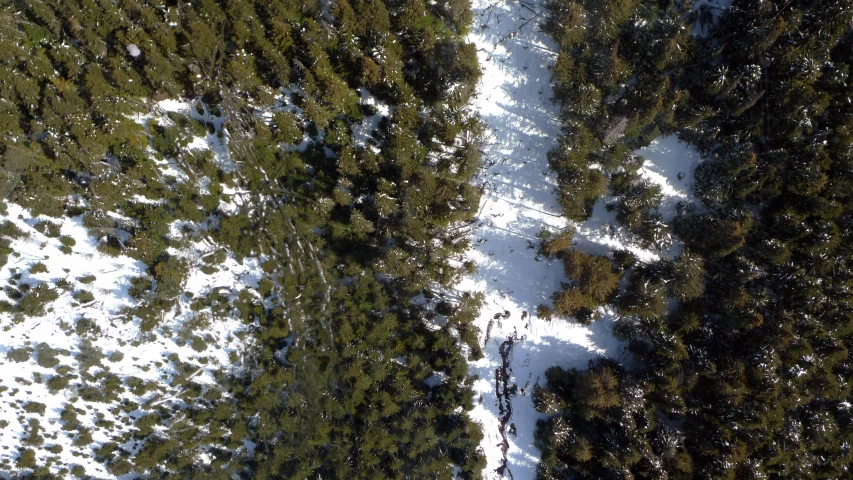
58	382
84	296
169	273
83	438
48	228
599	427
711	236
327	221
605	115
38	268
27	459
287	129
644	295
636	208
362	408
624	259
594	280
688	276
89	355
140	286
34	437
32	303
198	344
554	244
740	345
67	241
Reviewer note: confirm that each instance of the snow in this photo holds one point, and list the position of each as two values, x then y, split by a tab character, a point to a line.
362	133
144	354
71	262
668	158
712	10
133	50
216	142
514	102
519	199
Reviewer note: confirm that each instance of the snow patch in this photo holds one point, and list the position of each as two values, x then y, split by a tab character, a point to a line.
519	199
669	163
133	50
362	132
70	321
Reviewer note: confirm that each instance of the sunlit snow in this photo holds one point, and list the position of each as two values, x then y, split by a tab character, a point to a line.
519	199
142	355
68	260
133	50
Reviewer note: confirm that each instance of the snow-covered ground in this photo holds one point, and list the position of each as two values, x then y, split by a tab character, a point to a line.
71	324
514	102
709	12
669	164
89	328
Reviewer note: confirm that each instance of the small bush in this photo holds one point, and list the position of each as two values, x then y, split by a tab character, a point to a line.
146	424
58	382
198	344
35	438
89	356
139	287
46	356
215	258
8	229
67	241
86	326
27	459
84	296
19	354
120	467
68	416
38	268
84	438
35	407
32	305
170	273
48	229
138	386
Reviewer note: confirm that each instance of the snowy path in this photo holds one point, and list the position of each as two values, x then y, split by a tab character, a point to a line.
514	101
